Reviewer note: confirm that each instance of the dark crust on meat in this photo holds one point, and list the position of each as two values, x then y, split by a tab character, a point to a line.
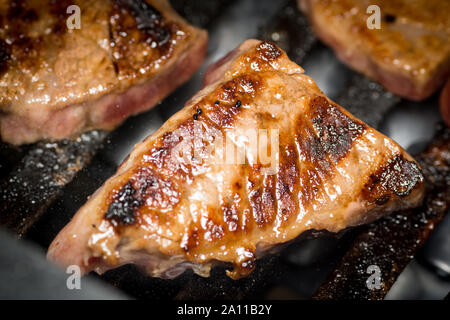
4	56
335	131
138	22
222	107
397	178
17	26
322	142
122	208
144	188
147	19
369	55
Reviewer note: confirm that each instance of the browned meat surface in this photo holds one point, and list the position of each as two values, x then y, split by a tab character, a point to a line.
168	208
56	82
409	55
445	103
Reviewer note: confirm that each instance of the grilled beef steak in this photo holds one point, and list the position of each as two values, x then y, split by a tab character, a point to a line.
174	203
409	54
56	82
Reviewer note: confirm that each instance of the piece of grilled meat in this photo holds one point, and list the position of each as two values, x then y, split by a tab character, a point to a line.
410	53
169	207
56	82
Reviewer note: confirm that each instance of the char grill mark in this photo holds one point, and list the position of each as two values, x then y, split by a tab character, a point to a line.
262	198
321	143
18	10
193	240
212	212
336	131
287	181
266	54
137	22
390	18
163	156
58	9
146	192
398	178
236	212
221	108
15	9
125	203
159	192
148	19
4	56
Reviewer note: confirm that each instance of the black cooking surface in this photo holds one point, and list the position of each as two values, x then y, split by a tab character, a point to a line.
45	184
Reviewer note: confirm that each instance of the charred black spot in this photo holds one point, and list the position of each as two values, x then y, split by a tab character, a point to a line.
124	206
197	113
148	19
146	15
401	176
398	177
389	18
